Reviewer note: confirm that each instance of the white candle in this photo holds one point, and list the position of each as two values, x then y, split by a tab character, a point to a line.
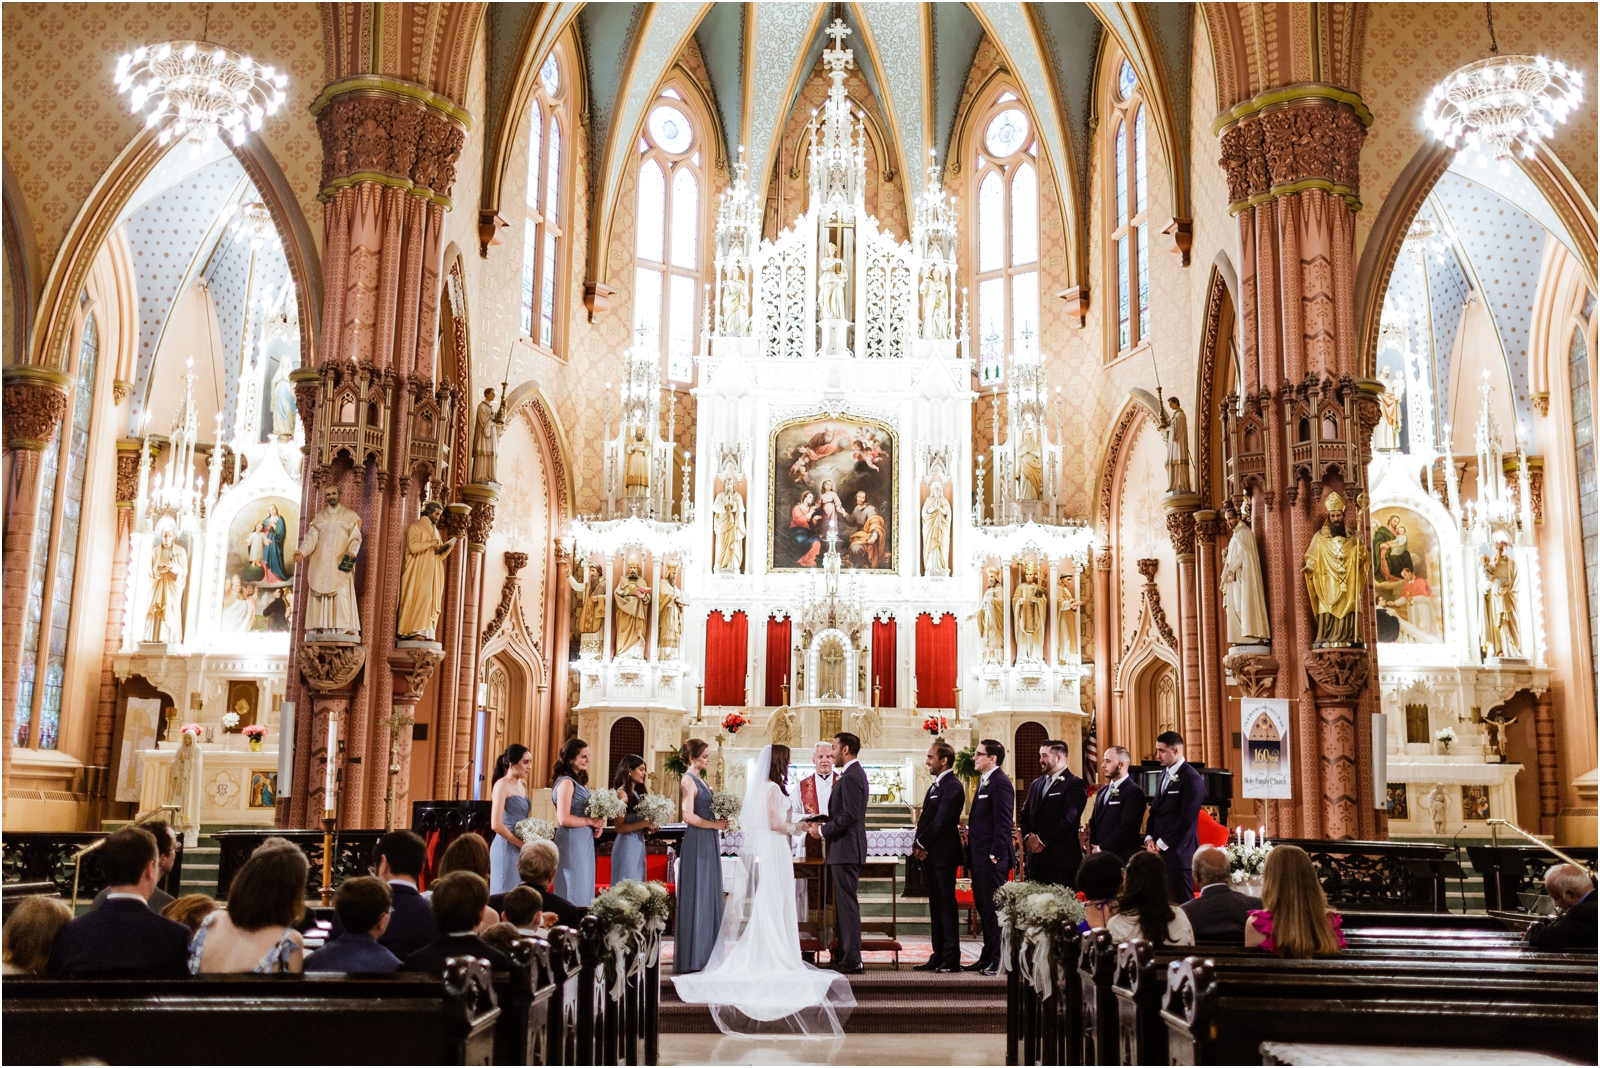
333	749
1249	839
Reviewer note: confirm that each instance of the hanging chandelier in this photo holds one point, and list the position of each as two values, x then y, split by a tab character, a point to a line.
253	223
199	89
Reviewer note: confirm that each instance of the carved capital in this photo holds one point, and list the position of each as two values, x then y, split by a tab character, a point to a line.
413	666
35	403
1337	675
1208	526
1180	528
1102	558
127	473
1256	673
454	521
480	525
1286	141
1147	567
392	133
331	666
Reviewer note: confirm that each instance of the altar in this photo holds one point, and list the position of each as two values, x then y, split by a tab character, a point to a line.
238	786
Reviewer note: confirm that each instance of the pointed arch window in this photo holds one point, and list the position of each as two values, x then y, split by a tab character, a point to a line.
667	239
1130	226
1006	180
544	228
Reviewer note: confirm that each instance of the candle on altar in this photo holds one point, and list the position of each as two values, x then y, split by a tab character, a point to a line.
1249	839
329	802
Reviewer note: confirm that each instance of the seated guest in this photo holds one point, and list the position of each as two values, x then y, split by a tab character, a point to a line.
257	932
458	901
1144	909
30	934
469	852
536	864
401	855
123	937
168	844
1218	914
502	936
1296	921
1572	890
1099	879
190	910
362	905
522	907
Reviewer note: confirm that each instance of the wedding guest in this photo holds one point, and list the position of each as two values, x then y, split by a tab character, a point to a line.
30	933
1572	890
1218	914
523	909
699	867
401	856
575	829
938	846
1099	880
509	807
1144	909
988	839
469	852
168	844
363	906
123	937
627	852
502	936
257	932
537	866
458	900
190	910
1050	822
1296	920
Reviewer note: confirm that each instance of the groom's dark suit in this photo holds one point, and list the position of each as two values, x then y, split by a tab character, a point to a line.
846	835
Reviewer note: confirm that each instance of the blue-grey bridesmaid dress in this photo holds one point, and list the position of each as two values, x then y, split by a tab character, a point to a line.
503	874
699	889
627	852
575	872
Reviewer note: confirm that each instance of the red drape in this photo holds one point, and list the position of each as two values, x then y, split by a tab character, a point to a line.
883	660
936	662
777	659
726	658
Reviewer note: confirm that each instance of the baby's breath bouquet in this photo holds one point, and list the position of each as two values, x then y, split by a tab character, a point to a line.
655	808
1036	914
1245	862
726	806
532	828
619	918
606	805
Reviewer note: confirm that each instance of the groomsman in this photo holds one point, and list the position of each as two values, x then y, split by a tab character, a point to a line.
988	838
1174	830
1030	804
938	847
1050	827
1114	826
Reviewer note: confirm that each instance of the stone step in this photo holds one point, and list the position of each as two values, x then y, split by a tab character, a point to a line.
888	1001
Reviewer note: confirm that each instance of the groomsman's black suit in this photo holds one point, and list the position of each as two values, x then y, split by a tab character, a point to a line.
1116	822
846	834
989	842
1175	821
1030	804
1052	814
939	832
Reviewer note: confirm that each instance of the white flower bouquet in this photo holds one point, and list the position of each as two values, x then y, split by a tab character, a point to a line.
726	806
606	805
532	828
230	720
1445	737
1245	862
654	807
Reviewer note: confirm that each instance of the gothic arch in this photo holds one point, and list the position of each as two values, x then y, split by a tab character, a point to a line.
1215	379
22	265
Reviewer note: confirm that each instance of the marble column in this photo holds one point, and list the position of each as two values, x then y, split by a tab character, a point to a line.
411	668
1103	648
480	523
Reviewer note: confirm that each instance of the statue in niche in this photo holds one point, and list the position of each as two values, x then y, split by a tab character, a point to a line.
284	409
1030	462
1499	725
169	569
331	544
589	598
1067	607
633	613
735	303
936	531
1242	592
1176	429
830	285
1336	571
728	527
1501	636
935	303
1438	807
1386	437
670	604
422	577
1028	606
487	426
636	471
992	618
831	664
185	789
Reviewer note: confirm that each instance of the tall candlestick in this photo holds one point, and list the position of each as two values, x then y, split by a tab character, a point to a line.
329	800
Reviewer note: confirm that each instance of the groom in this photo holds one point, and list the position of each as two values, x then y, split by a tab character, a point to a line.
846	834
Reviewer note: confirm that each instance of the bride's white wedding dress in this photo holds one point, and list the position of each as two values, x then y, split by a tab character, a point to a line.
755	981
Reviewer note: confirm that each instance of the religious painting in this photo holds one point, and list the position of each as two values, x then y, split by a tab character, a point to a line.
833	476
263	789
1475	802
1405	577
260	566
1399	803
242	698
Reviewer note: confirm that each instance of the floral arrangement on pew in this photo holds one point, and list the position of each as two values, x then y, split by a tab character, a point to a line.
657	808
1033	916
606	805
629	917
733	721
725	805
534	827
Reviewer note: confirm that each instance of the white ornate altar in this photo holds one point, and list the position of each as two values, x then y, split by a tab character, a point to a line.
237	786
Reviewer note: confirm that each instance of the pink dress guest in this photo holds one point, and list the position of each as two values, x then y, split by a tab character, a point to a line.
1261	920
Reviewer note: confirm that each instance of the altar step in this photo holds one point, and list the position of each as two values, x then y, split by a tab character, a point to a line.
201	864
887	1002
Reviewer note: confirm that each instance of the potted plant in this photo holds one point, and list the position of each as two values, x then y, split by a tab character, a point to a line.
255	734
1446	738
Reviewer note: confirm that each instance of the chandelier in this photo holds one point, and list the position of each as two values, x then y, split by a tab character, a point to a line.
252	223
1503	105
199	89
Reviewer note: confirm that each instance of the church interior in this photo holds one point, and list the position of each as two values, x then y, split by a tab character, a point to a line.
387	385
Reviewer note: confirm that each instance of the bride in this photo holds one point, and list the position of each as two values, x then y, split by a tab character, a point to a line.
755	982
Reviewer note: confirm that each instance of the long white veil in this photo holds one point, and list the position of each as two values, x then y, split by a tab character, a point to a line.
755	982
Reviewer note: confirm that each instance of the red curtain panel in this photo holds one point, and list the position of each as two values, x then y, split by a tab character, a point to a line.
936	661
884	635
777	658
726	658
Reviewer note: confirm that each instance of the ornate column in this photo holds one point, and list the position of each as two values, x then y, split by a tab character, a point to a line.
1207	525
1103	648
411	667
330	670
1180	528
106	713
1544	739
453	525
482	497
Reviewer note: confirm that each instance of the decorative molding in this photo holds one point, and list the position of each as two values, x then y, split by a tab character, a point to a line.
515	562
127	473
1108	474
1256	673
1152	599
35	401
375	135
1338	674
329	666
1310	142
415	666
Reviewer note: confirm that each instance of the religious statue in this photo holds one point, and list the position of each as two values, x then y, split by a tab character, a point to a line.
936	532
331	544
992	618
830	285
1030	463
169	566
1438	807
185	788
1067	607
1242	592
869	534
422	577
636	468
283	403
1501	725
1336	571
727	521
1028	605
670	603
1176	429
1501	636
735	303
633	613
935	303
589	598
486	428
1386	437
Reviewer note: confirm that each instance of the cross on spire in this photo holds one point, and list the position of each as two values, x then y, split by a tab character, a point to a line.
838	31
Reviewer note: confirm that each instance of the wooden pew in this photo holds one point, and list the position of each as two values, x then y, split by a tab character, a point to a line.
1044	1030
562	1019
1097	1037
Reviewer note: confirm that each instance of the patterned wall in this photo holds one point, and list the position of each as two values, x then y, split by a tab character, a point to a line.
1141	530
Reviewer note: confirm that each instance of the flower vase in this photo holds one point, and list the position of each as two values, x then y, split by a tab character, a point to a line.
255	745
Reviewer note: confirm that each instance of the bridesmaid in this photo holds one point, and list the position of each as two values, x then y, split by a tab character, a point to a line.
510	807
700	868
575	829
627	852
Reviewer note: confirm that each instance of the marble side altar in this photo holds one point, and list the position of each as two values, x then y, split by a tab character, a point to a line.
237	786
